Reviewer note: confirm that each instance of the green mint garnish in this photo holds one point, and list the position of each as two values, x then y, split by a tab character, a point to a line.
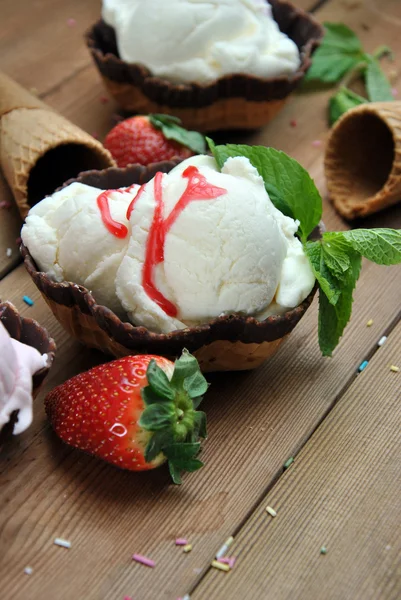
172	130
286	182
336	257
170	414
339	58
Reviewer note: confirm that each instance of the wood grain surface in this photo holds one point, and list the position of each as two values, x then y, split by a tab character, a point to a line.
257	419
341	493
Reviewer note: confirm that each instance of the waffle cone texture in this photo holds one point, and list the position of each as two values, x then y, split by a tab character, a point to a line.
231	102
40	149
363	159
227	343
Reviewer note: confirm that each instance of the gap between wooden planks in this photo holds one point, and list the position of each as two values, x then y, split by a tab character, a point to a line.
341	493
107	515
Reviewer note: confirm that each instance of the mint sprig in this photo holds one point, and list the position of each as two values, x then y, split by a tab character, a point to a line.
341	57
170	414
335	258
286	182
172	130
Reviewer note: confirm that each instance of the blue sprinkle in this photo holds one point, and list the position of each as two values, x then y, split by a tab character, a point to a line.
363	366
28	300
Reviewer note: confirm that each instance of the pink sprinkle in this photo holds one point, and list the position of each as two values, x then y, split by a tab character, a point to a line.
143	560
103	99
18	241
71	22
5	204
181	542
394	91
128	598
316	143
95	135
228	560
293	123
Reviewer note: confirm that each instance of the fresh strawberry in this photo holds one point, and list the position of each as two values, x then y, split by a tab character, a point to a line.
135	412
150	139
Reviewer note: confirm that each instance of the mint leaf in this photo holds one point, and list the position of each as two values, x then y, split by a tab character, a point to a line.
343	101
158	416
336	254
328	283
340	51
293	187
159	381
381	246
377	84
171	129
334	318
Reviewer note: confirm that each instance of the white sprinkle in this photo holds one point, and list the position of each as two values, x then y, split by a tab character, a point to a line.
388	547
225	547
186	597
382	340
28	570
62	542
271	511
9	252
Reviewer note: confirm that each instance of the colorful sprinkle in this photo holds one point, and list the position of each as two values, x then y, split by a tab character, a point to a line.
128	598
369	323
63	543
95	135
18	241
288	462
293	123
5	204
394	369
271	511
71	22
187	548
9	252
317	143
363	366
323	550
181	542
28	570
216	564
394	91
144	560
382	340
28	300
228	560
103	99
225	547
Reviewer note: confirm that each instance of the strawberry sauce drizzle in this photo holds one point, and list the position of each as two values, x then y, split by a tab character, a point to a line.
198	188
119	230
134	199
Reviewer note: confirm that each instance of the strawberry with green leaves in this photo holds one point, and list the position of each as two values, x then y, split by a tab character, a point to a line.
136	412
147	139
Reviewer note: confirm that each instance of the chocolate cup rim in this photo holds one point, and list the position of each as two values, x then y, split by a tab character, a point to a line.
233	328
137	74
29	330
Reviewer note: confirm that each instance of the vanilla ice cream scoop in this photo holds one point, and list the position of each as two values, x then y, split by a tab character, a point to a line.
17	365
197	41
206	243
80	234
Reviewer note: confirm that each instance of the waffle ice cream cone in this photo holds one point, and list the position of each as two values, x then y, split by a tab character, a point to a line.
40	149
363	159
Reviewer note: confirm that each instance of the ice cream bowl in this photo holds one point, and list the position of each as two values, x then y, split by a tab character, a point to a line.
237	101
227	343
29	332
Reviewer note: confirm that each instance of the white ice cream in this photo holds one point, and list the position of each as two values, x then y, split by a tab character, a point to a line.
17	365
198	41
70	242
229	250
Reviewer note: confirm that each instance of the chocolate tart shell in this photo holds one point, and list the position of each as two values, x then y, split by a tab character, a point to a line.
232	342
231	102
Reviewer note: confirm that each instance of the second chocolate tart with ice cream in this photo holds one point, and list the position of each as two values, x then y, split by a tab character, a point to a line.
196	258
222	64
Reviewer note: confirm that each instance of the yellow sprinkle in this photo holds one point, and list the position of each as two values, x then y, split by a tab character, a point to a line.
222	566
271	511
369	323
394	369
187	548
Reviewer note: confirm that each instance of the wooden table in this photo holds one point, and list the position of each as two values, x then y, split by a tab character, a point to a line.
342	428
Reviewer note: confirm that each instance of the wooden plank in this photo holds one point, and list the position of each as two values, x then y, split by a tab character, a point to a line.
342	493
10	226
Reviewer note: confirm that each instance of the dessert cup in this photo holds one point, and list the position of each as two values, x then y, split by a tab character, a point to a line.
39	148
362	162
227	343
231	102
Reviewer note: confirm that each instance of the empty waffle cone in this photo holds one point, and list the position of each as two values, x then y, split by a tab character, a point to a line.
40	149
363	159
